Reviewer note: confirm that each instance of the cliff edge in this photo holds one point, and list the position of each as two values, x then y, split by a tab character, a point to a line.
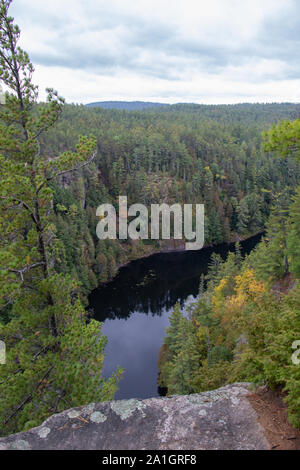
218	419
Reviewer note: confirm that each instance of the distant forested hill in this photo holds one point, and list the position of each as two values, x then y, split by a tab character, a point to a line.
256	112
246	112
126	105
181	153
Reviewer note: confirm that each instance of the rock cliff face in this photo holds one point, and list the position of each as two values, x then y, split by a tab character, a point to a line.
219	419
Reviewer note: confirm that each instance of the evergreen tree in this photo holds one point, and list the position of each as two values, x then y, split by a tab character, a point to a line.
293	236
54	358
173	330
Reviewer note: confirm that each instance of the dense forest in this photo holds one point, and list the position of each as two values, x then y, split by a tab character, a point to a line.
59	162
245	325
183	153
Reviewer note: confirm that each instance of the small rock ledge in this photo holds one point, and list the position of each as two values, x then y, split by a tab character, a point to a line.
219	419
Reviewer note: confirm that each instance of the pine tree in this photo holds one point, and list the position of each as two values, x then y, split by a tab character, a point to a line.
54	358
172	331
293	237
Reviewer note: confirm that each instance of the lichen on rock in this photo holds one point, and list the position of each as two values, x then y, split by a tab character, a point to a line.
125	408
218	419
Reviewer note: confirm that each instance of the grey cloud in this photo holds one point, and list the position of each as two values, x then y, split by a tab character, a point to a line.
165	50
280	39
167	53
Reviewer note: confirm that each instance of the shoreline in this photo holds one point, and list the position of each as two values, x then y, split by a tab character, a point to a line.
179	250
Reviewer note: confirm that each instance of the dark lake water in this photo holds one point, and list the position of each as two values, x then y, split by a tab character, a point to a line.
135	309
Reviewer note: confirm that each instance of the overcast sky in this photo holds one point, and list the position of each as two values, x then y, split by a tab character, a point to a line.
202	51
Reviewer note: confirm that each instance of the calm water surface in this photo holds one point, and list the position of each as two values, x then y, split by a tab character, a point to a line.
135	309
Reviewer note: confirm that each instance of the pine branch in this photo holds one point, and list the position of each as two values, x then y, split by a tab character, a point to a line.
24	270
28	398
56	175
24	204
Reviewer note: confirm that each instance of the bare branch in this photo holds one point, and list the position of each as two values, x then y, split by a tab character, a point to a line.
79	167
26	206
28	398
24	270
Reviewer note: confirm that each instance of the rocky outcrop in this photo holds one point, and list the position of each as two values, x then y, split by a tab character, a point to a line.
219	419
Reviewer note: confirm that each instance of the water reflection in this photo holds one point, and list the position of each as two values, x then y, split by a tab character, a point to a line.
135	308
